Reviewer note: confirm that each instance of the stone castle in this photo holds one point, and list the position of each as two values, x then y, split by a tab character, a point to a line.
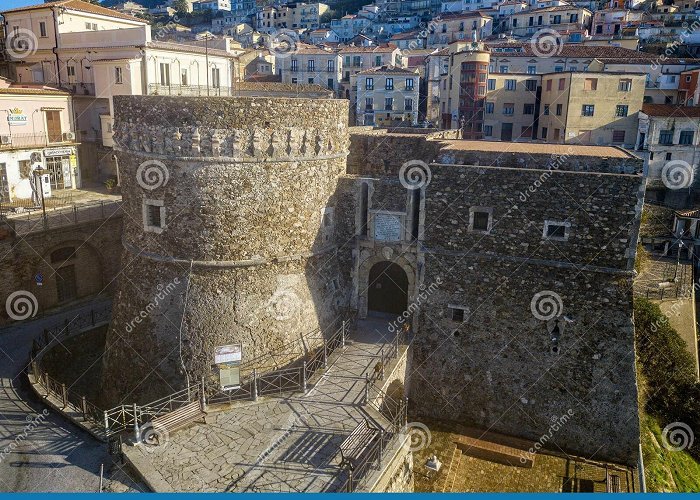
255	220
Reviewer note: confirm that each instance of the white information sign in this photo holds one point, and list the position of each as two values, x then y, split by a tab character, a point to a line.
387	227
227	354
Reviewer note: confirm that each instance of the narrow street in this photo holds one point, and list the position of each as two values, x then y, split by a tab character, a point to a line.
39	450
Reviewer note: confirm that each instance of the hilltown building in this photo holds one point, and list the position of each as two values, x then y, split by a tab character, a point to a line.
99	53
37	132
385	96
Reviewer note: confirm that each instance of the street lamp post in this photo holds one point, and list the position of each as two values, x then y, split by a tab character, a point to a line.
206	36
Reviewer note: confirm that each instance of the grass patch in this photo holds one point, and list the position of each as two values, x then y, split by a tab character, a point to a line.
668	394
666	470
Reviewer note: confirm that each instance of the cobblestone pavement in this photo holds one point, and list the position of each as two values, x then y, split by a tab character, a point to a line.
39	450
275	444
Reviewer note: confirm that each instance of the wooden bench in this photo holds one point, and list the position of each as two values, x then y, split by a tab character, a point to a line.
495	452
176	419
352	448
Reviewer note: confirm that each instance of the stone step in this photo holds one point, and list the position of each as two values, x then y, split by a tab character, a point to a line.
493	452
447	480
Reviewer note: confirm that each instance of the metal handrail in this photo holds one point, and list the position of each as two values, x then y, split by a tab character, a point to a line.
281	381
62	216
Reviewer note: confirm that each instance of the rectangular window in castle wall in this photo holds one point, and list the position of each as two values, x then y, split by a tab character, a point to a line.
458	314
556	230
480	219
153	215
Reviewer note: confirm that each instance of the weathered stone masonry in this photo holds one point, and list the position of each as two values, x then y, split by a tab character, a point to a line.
265	232
500	368
248	233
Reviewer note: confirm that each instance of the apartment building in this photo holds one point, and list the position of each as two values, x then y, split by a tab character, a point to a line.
613	21
293	15
511	107
469	26
564	18
454	6
689	88
462	88
663	75
668	134
591	108
37	132
213	5
385	96
96	53
311	64
356	58
350	25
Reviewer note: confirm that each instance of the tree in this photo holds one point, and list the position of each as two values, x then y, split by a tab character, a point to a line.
181	6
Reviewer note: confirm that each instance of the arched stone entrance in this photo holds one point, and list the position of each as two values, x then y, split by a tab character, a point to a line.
387	288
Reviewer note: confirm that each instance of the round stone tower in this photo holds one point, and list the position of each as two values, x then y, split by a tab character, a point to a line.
229	216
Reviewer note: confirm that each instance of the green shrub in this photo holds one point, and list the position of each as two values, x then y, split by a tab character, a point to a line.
671	391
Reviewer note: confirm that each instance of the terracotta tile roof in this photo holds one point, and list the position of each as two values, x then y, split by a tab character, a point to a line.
184	47
553	8
459	15
693	213
602	52
406	35
387	69
262	77
670	110
304	48
33	91
538	148
376	48
80	6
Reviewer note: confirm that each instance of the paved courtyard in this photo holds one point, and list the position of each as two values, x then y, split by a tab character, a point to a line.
274	444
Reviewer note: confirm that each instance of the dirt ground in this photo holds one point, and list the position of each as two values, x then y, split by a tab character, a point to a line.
463	473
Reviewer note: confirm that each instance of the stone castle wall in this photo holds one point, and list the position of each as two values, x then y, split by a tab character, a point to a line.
246	249
503	354
379	153
501	368
92	248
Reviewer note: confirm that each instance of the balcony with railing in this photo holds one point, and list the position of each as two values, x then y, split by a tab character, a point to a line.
37	140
